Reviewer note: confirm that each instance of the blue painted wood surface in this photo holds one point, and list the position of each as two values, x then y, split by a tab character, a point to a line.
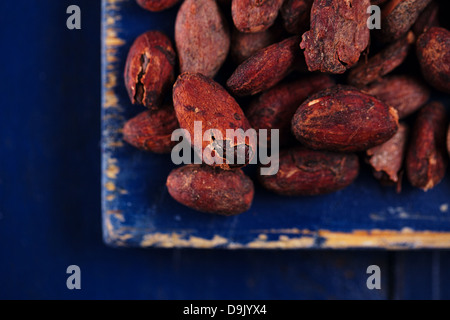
138	211
50	196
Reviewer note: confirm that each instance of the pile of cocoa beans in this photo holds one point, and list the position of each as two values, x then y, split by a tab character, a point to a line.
346	83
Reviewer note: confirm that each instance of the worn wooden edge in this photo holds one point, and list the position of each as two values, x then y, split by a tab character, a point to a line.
111	113
116	234
120	236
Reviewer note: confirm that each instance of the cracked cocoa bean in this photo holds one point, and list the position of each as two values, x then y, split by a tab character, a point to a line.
304	172
344	119
150	69
387	159
426	160
211	190
199	98
338	35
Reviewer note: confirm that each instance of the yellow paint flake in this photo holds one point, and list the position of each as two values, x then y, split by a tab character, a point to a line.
283	242
110	186
111	99
112	40
389	239
111	80
172	240
116	214
262	237
112	170
114	144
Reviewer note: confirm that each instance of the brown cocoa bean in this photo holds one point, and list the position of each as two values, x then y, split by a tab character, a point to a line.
199	98
387	159
304	172
202	37
254	15
156	5
426	160
150	69
433	52
275	108
338	35
344	119
296	15
152	130
382	63
244	45
211	190
398	16
428	18
265	68
404	93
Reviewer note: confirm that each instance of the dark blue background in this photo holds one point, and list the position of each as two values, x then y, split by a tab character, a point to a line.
50	195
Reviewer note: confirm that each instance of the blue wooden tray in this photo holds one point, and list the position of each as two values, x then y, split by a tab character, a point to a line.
138	211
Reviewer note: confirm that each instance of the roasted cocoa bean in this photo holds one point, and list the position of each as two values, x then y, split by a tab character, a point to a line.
150	69
338	35
428	18
426	160
199	98
404	93
382	63
275	108
398	16
387	159
211	190
254	15
202	37
244	45
304	172
344	119
156	5
152	130
433	52
265	68
296	15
